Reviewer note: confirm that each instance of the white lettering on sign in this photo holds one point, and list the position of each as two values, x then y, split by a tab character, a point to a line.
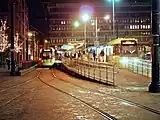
128	42
132	51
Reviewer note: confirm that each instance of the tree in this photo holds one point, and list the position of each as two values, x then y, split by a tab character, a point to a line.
17	44
4	43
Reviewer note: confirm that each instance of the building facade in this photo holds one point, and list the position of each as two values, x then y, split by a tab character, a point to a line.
21	25
131	19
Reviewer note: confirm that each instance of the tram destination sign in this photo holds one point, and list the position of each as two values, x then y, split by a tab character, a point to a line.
128	42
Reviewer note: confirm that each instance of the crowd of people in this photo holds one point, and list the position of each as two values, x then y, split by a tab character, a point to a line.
86	55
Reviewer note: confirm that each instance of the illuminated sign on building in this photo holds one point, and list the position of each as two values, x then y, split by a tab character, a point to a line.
128	42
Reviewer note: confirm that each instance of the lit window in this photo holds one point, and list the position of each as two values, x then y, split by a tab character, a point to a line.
142	20
131	27
136	21
62	22
136	26
144	26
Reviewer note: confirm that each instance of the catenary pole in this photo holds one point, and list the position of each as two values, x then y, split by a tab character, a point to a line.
155	83
12	6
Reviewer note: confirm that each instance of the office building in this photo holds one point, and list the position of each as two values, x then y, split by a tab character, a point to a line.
21	25
131	19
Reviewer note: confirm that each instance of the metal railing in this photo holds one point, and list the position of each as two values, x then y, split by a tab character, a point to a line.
101	72
139	66
26	64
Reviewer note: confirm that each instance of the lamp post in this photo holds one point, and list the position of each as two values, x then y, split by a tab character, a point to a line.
12	72
29	36
76	24
155	84
113	18
85	18
113	14
106	17
32	36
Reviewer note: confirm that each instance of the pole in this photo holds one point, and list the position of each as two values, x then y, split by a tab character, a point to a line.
96	30
33	40
113	17
12	38
85	35
27	50
96	35
117	30
155	83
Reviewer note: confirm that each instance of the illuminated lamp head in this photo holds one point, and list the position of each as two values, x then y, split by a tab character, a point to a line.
86	12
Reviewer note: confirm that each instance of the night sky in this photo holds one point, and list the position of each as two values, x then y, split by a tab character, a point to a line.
37	11
37	15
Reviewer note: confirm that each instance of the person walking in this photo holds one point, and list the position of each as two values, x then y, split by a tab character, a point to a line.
8	63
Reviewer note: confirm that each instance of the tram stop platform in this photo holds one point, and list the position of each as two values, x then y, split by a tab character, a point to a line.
134	87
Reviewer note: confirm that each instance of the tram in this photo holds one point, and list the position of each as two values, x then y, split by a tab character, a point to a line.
123	48
47	57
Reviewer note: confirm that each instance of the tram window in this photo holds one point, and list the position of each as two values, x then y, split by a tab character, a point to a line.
128	50
116	50
47	55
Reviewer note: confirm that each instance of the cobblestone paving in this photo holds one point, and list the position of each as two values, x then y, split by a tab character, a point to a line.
46	103
141	97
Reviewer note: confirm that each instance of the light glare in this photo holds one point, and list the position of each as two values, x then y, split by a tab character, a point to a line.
85	17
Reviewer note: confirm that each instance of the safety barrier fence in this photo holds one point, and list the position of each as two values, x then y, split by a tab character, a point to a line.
101	72
26	64
142	67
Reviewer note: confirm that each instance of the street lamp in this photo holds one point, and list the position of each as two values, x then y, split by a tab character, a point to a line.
32	41
46	41
30	34
76	24
85	17
106	17
113	13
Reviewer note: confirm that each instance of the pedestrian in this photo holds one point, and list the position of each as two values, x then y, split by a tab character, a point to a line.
94	55
8	63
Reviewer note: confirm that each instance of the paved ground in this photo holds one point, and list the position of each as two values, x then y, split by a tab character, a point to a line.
131	86
42	102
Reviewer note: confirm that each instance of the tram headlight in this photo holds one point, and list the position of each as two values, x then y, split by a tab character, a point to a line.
124	60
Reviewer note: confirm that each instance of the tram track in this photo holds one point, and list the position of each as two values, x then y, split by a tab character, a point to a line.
111	95
57	83
21	83
4	80
15	97
97	110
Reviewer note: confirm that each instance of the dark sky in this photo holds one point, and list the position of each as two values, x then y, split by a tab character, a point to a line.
37	15
37	11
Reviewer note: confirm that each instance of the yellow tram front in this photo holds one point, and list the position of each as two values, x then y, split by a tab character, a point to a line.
47	58
123	49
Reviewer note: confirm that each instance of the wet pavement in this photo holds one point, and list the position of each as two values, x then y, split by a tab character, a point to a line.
42	102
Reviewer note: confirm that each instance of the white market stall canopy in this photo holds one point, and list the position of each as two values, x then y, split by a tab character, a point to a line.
67	47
